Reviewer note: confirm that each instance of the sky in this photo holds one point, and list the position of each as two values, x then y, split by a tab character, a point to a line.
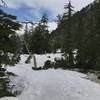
34	9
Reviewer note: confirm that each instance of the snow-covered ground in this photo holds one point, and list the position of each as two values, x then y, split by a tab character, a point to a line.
43	58
51	84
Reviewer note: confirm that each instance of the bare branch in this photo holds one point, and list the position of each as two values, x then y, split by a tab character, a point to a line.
4	4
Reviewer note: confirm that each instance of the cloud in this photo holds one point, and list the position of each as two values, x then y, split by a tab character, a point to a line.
54	6
33	9
52	26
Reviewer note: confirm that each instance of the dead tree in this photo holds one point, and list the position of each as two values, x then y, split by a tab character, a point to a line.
3	4
25	42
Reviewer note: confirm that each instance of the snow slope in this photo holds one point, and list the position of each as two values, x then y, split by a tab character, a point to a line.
51	84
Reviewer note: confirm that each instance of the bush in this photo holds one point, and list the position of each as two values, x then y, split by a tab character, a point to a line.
4	91
47	64
2	74
60	63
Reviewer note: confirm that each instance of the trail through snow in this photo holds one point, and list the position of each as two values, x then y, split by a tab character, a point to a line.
51	84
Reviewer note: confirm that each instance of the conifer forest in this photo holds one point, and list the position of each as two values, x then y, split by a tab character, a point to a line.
41	63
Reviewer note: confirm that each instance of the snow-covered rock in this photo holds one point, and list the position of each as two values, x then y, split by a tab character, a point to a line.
41	59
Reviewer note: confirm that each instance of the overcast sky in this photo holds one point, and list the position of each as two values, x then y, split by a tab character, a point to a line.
33	9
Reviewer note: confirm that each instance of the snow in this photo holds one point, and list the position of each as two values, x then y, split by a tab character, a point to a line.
51	26
51	84
41	59
9	98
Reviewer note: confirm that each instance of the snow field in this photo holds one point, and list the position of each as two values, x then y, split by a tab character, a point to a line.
51	84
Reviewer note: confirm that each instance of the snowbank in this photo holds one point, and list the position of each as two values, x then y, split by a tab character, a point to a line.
41	59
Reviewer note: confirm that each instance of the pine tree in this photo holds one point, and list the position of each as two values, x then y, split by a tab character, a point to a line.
97	34
8	43
40	37
82	34
68	41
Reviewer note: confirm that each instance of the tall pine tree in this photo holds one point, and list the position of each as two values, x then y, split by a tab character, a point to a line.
68	40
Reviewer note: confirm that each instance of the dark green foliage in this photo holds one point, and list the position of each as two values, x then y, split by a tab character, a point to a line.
47	65
56	41
9	47
11	74
68	35
3	88
88	48
59	63
24	38
37	43
80	32
4	85
2	74
39	38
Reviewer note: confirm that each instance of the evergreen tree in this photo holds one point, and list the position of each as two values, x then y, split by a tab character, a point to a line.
68	40
88	50
8	43
39	41
81	31
97	33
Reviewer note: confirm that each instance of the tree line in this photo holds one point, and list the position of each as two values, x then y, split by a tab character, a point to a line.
80	36
77	36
